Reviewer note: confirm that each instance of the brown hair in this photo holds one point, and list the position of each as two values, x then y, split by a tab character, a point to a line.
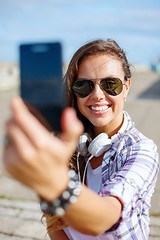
97	47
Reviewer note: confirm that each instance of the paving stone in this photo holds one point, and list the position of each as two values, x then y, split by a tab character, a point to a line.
8	224
154	238
155	227
23	214
25	229
9	187
155	231
20	204
32	229
155	221
7	237
9	212
34	215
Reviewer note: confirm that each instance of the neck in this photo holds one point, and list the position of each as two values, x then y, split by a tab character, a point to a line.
110	129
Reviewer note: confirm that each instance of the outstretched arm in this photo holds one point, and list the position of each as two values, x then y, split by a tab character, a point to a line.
39	160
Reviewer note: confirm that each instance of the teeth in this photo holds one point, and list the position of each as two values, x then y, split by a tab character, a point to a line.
99	108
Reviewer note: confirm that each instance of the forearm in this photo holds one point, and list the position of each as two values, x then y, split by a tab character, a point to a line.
93	214
58	235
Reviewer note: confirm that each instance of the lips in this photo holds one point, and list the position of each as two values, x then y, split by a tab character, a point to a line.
99	108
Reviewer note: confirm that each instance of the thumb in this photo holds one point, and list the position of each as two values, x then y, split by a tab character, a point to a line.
72	128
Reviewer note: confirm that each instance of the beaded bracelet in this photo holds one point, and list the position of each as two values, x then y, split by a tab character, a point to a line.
59	205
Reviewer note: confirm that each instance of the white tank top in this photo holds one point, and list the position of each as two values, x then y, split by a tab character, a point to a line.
94	180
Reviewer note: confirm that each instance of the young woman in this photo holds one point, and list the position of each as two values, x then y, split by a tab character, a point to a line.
119	168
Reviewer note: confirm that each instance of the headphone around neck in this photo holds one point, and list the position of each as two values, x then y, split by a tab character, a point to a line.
100	143
96	147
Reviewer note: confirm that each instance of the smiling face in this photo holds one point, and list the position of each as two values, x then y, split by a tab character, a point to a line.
104	111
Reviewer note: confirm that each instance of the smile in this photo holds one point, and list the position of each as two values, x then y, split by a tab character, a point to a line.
100	108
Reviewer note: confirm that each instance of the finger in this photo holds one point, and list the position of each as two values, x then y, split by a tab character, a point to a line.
28	152
13	164
29	165
19	141
18	151
20	170
32	128
72	128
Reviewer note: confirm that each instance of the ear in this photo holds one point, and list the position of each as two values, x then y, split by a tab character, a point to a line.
127	87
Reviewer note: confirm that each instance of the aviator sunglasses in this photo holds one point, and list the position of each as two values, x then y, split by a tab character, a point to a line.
83	87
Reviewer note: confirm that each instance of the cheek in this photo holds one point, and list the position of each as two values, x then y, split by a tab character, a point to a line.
81	103
118	103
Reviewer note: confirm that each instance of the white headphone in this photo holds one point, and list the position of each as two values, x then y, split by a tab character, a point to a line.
97	146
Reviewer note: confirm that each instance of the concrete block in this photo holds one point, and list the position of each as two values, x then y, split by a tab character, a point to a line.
8	224
9	212
33	215
31	229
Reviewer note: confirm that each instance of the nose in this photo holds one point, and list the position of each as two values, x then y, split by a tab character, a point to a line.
98	92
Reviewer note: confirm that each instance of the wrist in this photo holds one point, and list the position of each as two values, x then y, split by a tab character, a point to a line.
52	187
67	197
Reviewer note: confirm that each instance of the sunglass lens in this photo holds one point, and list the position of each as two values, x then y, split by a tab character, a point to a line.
112	86
82	88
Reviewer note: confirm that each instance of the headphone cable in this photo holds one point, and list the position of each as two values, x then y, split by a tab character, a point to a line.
86	168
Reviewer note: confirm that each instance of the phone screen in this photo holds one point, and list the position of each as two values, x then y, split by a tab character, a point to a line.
41	81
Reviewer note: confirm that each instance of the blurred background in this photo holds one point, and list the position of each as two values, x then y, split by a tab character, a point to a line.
135	25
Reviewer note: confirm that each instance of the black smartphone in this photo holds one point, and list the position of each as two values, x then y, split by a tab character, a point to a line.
41	84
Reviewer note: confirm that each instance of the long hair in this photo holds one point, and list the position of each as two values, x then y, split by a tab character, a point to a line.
97	47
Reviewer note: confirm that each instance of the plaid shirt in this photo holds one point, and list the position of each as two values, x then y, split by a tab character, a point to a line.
129	172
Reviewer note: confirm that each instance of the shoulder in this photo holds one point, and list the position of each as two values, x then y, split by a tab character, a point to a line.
134	136
134	143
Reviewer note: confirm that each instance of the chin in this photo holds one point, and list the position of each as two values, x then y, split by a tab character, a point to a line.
99	124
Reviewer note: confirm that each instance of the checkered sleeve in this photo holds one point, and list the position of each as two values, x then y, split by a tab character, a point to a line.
134	183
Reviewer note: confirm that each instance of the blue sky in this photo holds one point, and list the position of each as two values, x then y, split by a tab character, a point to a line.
135	25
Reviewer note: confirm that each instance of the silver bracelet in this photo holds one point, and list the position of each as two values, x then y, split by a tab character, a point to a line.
60	205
